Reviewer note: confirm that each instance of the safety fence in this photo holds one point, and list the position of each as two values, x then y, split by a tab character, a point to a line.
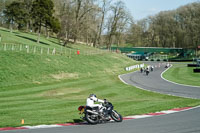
30	49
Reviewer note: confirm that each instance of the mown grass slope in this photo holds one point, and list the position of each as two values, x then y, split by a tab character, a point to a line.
47	89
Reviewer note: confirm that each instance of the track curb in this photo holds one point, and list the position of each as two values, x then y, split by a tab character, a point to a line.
165	112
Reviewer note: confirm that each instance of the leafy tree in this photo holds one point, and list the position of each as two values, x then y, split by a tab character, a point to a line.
16	13
42	13
53	25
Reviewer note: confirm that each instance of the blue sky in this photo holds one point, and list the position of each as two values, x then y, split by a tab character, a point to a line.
143	8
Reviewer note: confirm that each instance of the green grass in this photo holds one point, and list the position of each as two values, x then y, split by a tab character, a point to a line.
47	89
182	74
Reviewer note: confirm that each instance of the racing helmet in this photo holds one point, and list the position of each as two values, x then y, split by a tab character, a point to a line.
92	95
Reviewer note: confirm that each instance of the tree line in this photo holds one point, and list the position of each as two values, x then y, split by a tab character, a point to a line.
92	21
103	22
30	15
178	28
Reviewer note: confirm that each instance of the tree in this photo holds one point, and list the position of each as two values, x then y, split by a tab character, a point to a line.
42	13
78	20
16	13
28	8
105	7
117	21
54	25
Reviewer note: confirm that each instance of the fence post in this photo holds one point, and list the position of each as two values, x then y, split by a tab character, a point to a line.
34	50
12	47
41	50
61	50
27	49
4	47
48	51
20	47
54	51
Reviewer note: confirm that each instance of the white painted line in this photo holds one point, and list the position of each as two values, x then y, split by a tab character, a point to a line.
138	116
168	111
156	91
172	81
41	126
119	76
147	89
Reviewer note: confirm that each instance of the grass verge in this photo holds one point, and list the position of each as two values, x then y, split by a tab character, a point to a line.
182	74
47	89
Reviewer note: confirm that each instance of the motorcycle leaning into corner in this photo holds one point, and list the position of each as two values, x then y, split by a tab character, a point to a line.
95	115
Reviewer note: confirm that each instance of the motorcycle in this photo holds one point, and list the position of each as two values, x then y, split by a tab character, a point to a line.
96	115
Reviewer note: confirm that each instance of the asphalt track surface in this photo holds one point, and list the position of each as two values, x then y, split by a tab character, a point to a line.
182	122
154	82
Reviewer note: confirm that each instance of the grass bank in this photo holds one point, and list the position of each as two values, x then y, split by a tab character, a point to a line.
182	74
47	89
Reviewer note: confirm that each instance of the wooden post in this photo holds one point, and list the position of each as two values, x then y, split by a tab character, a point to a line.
20	47
61	50
0	37
34	50
70	52
48	51
54	51
27	49
41	50
5	47
12	47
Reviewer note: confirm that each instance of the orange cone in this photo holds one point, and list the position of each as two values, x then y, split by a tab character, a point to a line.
22	121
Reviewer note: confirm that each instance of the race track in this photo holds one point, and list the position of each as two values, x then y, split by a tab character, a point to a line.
182	122
154	82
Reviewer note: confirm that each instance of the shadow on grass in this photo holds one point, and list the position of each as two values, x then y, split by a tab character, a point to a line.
5	30
66	46
31	39
54	42
9	31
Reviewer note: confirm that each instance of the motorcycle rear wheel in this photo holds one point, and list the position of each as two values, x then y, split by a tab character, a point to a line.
116	116
90	119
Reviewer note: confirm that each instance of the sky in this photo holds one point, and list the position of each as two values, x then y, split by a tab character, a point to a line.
144	8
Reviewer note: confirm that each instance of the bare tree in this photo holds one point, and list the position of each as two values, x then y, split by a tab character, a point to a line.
117	20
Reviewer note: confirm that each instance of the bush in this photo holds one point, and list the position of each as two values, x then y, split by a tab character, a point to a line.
158	59
152	59
164	59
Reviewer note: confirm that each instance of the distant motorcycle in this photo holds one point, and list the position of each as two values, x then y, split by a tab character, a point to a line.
96	115
147	72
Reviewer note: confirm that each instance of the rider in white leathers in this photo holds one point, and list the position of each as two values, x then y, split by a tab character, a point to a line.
92	99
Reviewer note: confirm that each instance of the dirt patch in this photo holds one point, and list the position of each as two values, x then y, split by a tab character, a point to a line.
37	82
65	76
61	92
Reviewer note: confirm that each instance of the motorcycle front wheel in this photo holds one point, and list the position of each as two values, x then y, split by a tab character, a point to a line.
116	116
91	119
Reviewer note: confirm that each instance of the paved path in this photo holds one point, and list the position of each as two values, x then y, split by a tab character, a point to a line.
154	82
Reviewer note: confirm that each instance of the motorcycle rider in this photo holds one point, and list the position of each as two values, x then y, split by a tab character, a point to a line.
91	102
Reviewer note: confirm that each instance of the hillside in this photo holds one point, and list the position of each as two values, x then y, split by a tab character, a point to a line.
45	88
